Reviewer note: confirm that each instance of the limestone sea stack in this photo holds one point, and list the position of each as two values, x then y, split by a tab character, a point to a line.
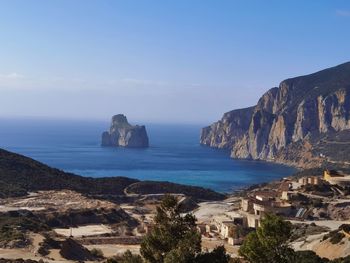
123	134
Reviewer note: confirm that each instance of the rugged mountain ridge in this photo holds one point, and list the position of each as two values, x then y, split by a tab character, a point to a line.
121	133
288	121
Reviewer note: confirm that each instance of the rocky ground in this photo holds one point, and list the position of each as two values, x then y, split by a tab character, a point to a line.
75	215
56	216
60	201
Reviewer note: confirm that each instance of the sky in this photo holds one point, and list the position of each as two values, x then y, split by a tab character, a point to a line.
183	61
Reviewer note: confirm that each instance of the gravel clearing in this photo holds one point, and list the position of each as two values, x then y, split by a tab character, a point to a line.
90	230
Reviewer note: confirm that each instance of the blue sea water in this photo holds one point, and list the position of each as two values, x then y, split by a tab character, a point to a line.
174	154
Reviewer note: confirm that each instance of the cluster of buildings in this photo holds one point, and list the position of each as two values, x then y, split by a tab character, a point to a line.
260	203
230	226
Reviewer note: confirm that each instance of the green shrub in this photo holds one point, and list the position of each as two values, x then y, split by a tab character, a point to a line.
334	236
337	237
96	252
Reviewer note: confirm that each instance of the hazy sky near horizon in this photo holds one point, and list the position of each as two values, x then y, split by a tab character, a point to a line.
159	60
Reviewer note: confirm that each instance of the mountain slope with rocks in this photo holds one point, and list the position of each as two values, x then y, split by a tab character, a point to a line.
290	123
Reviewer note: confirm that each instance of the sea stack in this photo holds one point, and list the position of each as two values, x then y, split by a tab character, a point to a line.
123	134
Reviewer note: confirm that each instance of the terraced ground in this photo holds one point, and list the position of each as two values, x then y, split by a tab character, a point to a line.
335	147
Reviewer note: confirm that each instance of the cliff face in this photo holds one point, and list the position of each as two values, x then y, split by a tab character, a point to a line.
121	133
287	121
225	133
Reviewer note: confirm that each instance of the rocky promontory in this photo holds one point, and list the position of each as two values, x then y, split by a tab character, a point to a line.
123	134
297	123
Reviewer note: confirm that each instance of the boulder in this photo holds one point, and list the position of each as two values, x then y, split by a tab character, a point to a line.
72	250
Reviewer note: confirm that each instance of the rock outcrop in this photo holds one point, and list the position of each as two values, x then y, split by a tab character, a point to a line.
72	250
121	133
288	121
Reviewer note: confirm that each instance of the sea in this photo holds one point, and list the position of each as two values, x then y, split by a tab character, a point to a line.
174	155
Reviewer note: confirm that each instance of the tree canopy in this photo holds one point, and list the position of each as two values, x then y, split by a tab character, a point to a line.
269	243
174	238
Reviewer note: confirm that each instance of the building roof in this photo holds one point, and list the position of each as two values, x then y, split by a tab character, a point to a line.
228	223
269	203
266	193
285	186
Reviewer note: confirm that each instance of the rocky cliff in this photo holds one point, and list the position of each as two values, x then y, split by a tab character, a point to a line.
121	133
289	121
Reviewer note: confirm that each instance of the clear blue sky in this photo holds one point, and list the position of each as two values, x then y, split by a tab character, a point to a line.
160	61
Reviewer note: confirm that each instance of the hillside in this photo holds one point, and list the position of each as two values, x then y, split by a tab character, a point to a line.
290	124
20	175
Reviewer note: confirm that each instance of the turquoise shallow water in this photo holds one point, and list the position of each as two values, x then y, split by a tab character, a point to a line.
174	154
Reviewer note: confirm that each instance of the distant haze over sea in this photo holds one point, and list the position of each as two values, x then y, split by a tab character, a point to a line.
174	154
